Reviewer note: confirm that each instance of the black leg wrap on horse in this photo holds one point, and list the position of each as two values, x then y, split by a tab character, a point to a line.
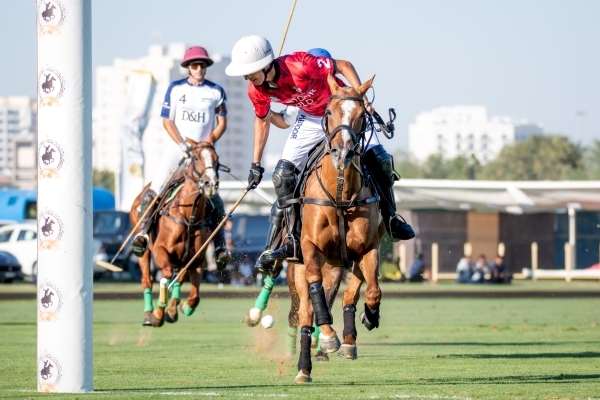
349	321
320	309
370	318
305	338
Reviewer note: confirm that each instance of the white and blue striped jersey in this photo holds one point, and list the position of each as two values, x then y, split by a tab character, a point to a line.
193	108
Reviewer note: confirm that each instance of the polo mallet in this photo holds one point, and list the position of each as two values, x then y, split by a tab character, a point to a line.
212	235
253	316
110	266
286	28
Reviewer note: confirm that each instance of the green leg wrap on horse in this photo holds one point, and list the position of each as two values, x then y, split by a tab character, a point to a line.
148	307
265	292
290	345
187	310
316	336
176	292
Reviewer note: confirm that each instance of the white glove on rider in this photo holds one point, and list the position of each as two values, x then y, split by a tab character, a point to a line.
185	148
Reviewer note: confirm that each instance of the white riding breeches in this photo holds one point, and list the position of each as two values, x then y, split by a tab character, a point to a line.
168	162
305	134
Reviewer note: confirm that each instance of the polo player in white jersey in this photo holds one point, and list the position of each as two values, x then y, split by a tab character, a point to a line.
194	108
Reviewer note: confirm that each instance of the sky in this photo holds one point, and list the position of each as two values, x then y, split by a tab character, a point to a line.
527	59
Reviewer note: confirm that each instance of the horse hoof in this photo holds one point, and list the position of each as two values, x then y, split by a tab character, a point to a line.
302	378
251	322
321	356
156	322
171	319
348	351
368	324
329	345
147	321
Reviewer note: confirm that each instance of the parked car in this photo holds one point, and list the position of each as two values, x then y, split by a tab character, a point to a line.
20	240
112	227
10	269
249	234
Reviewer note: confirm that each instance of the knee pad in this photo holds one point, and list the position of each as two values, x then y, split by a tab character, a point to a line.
284	181
381	166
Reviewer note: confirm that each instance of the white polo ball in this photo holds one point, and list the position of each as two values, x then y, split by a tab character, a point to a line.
267	321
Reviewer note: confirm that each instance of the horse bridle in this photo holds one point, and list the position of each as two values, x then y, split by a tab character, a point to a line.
356	138
199	182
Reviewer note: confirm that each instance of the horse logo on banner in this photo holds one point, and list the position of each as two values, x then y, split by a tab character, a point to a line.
50	158
51	87
50	230
49	302
51	16
49	373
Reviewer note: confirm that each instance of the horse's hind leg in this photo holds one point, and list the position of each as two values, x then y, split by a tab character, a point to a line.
305	318
369	266
144	262
293	321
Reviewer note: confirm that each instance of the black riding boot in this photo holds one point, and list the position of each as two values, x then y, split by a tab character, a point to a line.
381	168
284	181
222	255
140	241
262	264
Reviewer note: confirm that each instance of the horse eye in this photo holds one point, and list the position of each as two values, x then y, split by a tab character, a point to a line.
196	158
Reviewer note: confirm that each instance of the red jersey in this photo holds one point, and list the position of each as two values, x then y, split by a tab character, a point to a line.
302	82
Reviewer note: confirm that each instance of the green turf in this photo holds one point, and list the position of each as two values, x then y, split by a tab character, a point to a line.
425	349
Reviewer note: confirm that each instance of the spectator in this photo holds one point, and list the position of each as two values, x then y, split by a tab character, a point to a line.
463	270
390	272
246	271
479	270
499	272
418	270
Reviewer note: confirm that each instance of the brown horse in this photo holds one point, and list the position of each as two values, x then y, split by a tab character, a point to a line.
182	228
341	227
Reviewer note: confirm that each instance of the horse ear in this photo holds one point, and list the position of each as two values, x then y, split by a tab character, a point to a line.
333	85
365	86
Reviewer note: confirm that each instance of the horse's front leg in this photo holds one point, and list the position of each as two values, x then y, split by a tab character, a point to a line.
293	320
172	315
163	262
369	266
332	277
144	263
189	306
305	318
351	295
314	259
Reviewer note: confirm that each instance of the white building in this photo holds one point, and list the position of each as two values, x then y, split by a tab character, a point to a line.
18	127
464	131
234	147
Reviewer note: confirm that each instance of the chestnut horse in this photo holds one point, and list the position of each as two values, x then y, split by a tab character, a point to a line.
341	227
183	226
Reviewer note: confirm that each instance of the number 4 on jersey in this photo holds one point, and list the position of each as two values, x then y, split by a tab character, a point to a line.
182	99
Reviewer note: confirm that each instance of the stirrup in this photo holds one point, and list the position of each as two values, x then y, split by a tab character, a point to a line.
222	257
400	230
140	244
289	251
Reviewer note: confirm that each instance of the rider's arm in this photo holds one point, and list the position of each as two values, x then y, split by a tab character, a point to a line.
278	120
261	134
172	130
347	70
219	129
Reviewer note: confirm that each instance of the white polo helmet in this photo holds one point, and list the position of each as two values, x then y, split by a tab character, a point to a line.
250	54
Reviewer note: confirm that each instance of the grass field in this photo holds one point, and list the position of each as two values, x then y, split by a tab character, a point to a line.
424	349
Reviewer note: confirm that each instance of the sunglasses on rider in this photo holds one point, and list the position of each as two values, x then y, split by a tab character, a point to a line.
197	65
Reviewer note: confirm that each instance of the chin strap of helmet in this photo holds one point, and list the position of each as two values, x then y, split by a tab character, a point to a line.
267	71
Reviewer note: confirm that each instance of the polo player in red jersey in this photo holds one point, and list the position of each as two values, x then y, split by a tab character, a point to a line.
300	80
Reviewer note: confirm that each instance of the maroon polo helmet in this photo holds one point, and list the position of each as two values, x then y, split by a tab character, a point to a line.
196	53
